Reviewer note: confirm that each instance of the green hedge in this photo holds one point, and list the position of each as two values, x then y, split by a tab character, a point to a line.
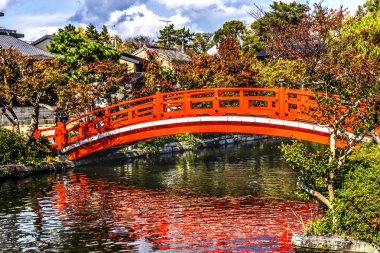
15	149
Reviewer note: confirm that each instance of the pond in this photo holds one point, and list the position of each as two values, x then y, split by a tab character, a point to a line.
236	198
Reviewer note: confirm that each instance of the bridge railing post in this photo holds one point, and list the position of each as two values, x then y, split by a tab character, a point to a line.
37	134
60	135
281	99
216	102
157	103
242	102
107	118
186	104
303	99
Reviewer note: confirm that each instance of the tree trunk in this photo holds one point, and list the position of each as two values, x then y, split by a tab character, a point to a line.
330	180
34	122
316	194
12	118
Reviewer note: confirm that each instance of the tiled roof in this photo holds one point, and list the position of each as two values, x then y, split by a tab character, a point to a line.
45	37
170	54
131	58
23	47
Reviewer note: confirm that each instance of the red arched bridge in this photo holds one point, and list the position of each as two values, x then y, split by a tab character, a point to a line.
268	111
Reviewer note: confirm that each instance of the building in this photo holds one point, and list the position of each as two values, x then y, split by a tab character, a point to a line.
42	42
135	63
169	56
11	39
13	33
7	41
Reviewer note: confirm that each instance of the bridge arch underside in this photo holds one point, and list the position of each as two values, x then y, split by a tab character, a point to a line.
224	124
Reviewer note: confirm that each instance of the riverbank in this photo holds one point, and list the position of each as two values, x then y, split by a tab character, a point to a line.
127	153
21	171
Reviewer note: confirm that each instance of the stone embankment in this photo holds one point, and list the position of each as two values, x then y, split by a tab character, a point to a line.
211	142
17	171
325	244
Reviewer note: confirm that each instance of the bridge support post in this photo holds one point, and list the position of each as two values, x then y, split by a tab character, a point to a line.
60	135
281	99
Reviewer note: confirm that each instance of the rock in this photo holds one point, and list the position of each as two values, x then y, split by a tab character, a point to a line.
306	244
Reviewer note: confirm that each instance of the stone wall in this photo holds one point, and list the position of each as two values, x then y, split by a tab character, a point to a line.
24	115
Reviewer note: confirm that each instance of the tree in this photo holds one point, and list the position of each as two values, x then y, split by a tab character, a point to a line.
167	36
348	105
155	74
38	82
105	37
132	44
27	81
202	42
91	33
291	71
171	37
73	49
279	13
10	73
233	28
183	37
228	68
95	79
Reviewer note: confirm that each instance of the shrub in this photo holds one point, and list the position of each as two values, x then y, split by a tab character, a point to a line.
155	144
358	202
15	149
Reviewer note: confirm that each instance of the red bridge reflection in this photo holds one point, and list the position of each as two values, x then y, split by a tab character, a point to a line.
148	220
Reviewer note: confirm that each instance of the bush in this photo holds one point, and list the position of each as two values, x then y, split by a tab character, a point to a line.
357	201
319	227
155	144
15	149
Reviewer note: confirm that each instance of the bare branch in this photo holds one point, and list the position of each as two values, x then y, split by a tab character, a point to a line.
49	107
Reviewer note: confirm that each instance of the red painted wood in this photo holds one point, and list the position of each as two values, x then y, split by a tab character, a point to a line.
274	103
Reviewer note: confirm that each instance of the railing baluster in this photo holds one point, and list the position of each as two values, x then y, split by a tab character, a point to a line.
281	100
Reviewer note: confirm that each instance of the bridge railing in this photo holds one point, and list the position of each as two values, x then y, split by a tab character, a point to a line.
276	103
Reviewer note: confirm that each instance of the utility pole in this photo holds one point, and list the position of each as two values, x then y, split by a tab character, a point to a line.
167	23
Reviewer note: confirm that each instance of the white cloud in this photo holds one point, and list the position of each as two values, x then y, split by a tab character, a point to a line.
139	20
3	4
36	26
34	33
352	5
172	4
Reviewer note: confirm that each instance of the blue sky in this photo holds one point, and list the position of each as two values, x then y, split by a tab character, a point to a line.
129	18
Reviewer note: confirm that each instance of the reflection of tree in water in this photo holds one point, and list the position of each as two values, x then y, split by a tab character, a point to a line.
165	221
248	169
98	209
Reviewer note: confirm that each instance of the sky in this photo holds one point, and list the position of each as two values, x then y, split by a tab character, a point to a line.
129	18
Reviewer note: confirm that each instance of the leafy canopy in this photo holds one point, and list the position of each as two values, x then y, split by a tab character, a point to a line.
75	49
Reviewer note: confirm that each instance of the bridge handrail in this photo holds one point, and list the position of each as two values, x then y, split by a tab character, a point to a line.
276	103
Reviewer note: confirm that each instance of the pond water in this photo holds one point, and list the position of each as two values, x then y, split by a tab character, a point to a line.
230	199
